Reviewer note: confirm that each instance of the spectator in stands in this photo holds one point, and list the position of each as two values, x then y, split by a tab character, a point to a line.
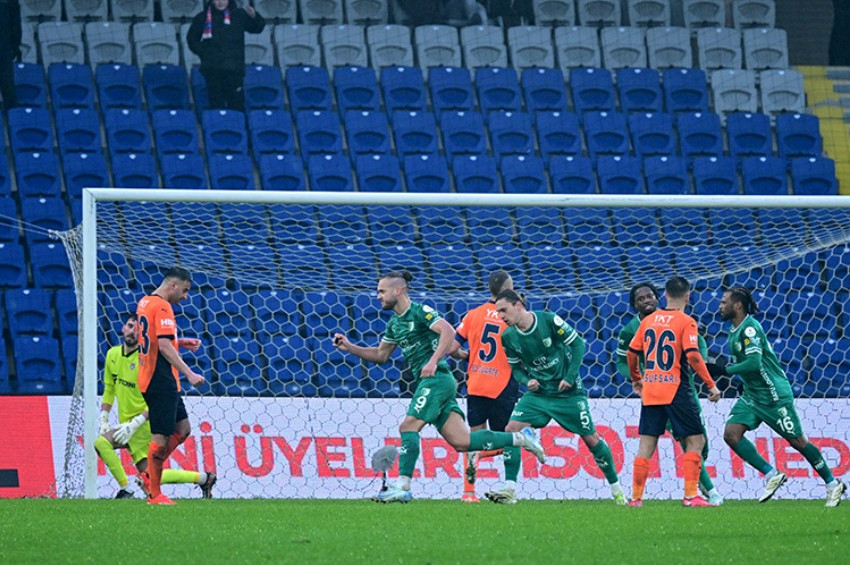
512	12
465	13
452	12
839	42
217	36
10	49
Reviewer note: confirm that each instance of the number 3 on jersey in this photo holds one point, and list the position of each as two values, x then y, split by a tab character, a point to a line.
144	338
660	350
489	339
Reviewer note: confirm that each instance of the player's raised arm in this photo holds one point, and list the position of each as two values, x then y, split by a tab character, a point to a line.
380	354
167	349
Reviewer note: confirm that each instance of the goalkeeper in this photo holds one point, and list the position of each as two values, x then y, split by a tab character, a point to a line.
134	431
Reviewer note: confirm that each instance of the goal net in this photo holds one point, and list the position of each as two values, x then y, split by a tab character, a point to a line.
284	414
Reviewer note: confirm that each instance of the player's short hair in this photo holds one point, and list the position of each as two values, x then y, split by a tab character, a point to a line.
511	296
403	274
497	281
677	287
639	286
178	273
745	297
131	316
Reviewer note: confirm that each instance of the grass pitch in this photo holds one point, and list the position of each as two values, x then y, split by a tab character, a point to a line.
422	532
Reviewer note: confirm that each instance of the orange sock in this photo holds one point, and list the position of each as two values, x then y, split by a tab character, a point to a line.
467	487
174	440
156	458
691	463
641	471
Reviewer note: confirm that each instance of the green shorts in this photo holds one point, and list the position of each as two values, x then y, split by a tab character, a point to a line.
782	418
570	412
434	399
139	442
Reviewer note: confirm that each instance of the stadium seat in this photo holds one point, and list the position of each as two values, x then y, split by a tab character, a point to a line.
30	129
367	133
113	270
606	133
572	175
175	11
558	134
669	47
318	132
321	12
684	226
127	130
415	133
407	257
639	90
165	87
599	12
338	376
715	175
588	225
704	13
28	46
451	89
43	214
224	132
118	86
155	43
600	267
511	134
232	171
808	306
637	227
543	90
298	45
733	225
389	45
13	267
623	47
531	47
437	46
50	267
578	312
290	365
239	366
327	312
766	49
463	133
294	223
244	225
263	88
388	227
554	12
426	173
798	135
497	89
619	174
62	42
30	312
749	135
685	90
483	46
78	130
782	90
198	84
281	172
356	89
452	268
354	265
30	86
441	225
719	48
649	13
71	85
753	13
507	257
734	91
66	312
343	45
837	273
476	174
803	272
592	90
271	133
277	312
8	230
814	175
107	43
524	174
37	174
550	267
540	227
764	176
830	365
652	134
134	170
491	226
403	88
330	172
41	10
700	134
378	173
577	46
666	175
227	313
259	49
175	131
38	365
283	11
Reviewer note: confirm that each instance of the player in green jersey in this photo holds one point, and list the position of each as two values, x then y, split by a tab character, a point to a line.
766	397
545	355
425	339
134	431
643	297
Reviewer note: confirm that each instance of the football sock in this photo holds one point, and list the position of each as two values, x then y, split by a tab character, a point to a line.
156	458
111	460
489	453
408	454
511	485
174	440
467	487
691	462
605	461
403	482
705	480
513	459
815	459
639	474
486	439
748	452
175	476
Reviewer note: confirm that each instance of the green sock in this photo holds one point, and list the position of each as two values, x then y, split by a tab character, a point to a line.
704	479
408	454
174	476
605	460
816	460
111	460
483	440
748	452
513	458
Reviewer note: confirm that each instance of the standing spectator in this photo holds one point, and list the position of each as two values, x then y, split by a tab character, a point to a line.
10	49
839	42
217	36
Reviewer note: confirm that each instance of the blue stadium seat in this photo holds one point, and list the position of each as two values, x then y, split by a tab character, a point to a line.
463	133
651	262
732	225
309	88
38	365
378	173
239	366
704	309
224	132
699	134
83	170
71	85
277	312
338	376
117	303
715	175
78	130
282	172
290	365
812	314
540	227
70	346
30	129
619	175
524	174
404	89
165	87
134	170
231	172
330	173
426	173
370	320
777	222
558	134
451	89
606	133
497	256
576	310
491	226
543	90
592	90
652	134
639	90
271	133
30	86
327	312
698	258
764	176
814	175
684	226
550	267
497	89
636	227
798	135
259	258
44	214
50	267
356	89
8	229
5	385
294	223
476	173
127	130
354	266
774	309
415	133
511	134
118	86
318	132
749	135
200	97
685	90
367	132
800	273
5	175
614	312
667	175
572	175
175	131
13	267
830	365
441	225
243	224
452	268
37	174
30	312
181	170
343	224
388	226
228	313
397	257
209	267
262	88
113	268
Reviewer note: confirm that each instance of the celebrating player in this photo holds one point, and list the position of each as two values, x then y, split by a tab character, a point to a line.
491	391
545	355
425	338
120	382
644	299
159	380
665	338
766	397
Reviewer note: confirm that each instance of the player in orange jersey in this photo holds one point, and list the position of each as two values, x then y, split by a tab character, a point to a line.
491	392
159	367
667	338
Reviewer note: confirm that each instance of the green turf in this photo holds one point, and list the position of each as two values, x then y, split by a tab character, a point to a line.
324	531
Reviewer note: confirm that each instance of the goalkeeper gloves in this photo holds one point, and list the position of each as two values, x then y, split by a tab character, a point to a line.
103	423
126	430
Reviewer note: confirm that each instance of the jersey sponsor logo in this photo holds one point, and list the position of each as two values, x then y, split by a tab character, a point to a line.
561	331
429	316
132	366
750	332
693	339
558	320
547	341
517	413
167	323
493	313
427	308
664	318
542	363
